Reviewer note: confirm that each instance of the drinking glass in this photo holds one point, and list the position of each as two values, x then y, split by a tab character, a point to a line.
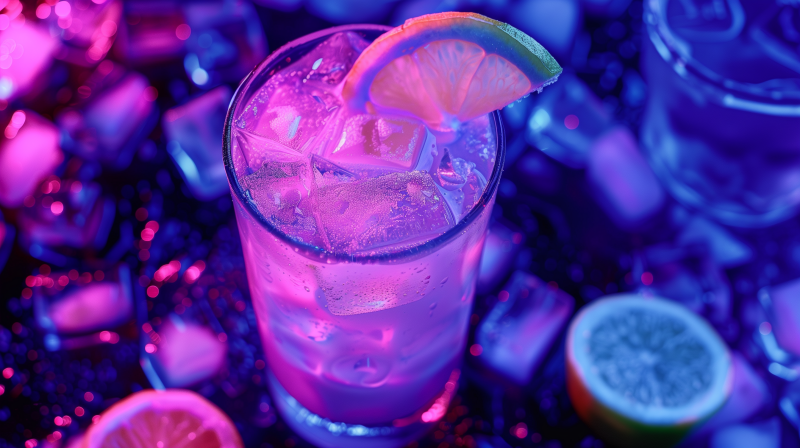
722	123
362	350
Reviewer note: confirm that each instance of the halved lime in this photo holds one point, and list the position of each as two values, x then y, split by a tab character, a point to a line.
644	371
163	419
448	68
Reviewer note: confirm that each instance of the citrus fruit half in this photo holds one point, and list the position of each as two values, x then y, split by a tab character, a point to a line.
448	68
645	371
163	419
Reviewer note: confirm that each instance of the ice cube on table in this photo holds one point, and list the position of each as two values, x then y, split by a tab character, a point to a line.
186	353
29	153
84	305
378	214
111	125
749	394
282	191
690	276
622	180
71	213
27	49
148	34
783	310
370	141
193	133
725	249
501	246
90	32
565	121
226	40
523	325
766	434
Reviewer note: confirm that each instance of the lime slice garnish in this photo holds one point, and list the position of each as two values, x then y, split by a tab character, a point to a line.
448	68
644	371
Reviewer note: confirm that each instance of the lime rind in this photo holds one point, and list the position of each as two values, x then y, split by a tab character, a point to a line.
493	36
120	413
702	406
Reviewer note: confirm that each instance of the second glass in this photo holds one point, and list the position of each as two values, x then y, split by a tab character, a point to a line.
722	124
363	350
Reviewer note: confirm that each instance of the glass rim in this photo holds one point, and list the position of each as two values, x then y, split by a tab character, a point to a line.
312	251
731	93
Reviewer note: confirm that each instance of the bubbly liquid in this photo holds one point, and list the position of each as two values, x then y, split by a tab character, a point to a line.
363	343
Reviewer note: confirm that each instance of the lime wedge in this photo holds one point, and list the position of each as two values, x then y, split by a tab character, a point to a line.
448	68
644	372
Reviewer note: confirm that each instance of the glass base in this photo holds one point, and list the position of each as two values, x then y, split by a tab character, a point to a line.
324	433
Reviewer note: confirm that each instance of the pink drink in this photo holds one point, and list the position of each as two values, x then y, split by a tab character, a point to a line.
362	236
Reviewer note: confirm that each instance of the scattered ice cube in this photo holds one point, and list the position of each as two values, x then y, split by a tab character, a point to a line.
28	154
725	248
501	246
783	309
70	213
110	126
85	305
622	181
186	352
749	394
566	119
523	325
766	434
193	141
381	142
226	39
688	275
25	53
282	192
378	213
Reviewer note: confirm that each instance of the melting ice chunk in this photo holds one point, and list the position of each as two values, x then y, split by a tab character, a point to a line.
381	142
370	214
297	102
331	60
282	192
327	173
460	183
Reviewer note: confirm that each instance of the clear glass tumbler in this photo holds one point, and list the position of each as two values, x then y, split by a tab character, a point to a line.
371	378
722	123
